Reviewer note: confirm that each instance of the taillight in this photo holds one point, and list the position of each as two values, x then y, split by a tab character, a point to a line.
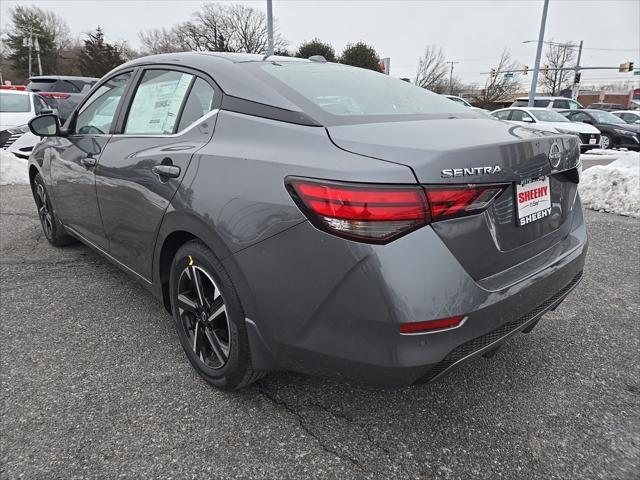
57	96
366	212
457	200
429	326
376	213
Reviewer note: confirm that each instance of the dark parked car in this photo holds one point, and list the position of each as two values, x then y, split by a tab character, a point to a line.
310	216
62	92
615	132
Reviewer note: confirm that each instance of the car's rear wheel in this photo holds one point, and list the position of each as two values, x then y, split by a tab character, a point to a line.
606	141
209	318
51	227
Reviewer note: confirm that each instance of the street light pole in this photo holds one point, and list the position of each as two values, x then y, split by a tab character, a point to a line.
269	28
451	77
536	66
576	85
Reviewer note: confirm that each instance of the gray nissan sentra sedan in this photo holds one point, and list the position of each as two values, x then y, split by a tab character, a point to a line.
309	216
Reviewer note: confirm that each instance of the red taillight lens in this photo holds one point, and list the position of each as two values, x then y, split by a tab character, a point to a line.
432	325
366	212
57	96
454	201
380	213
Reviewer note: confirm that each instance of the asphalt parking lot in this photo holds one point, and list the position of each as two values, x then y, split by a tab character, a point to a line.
95	385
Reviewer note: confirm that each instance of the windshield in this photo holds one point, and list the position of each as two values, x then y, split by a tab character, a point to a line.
12	102
459	100
605	117
548	116
342	91
536	103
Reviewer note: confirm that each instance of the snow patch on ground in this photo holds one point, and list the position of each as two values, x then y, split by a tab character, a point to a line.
613	188
13	170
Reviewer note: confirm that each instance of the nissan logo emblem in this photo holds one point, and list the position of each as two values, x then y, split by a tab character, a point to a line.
554	155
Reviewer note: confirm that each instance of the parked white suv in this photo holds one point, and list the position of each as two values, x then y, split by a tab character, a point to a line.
554	103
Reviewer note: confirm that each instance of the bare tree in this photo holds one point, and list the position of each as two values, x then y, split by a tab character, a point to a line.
432	69
159	40
500	86
558	55
225	28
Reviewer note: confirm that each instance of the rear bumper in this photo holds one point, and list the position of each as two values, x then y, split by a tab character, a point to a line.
326	306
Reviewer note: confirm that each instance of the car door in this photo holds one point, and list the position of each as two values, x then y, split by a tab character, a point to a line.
169	117
73	166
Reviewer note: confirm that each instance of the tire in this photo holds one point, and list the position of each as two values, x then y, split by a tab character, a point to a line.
209	318
606	142
53	230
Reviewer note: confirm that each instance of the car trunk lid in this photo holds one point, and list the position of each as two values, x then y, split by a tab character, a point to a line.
478	151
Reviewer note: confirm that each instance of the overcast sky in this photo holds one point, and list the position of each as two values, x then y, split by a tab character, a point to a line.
470	32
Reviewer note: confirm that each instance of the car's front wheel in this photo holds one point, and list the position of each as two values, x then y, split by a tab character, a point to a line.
209	318
51	226
606	141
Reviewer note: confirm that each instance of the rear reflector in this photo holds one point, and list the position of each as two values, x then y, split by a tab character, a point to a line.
376	213
57	96
366	212
432	325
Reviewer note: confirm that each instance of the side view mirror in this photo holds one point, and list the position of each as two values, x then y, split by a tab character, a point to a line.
637	121
527	119
46	125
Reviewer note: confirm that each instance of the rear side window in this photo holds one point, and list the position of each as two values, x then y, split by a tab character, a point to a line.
504	115
199	103
157	102
12	102
561	104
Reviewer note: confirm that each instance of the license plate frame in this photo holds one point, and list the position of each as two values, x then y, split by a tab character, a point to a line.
533	200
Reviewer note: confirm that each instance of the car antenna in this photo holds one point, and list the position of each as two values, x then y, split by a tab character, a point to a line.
318	58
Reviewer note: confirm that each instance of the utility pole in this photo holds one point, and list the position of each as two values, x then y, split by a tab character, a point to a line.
536	66
269	28
576	85
451	77
30	41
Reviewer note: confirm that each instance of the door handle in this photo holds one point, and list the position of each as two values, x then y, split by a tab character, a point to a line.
167	171
88	162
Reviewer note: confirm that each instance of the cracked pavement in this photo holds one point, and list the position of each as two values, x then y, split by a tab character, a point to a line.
95	385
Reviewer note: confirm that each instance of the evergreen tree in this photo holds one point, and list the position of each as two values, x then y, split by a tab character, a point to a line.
97	57
361	55
27	21
317	47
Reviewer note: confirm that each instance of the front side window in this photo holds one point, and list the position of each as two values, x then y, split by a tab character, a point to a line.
606	117
157	102
97	114
560	104
548	116
574	105
580	117
14	102
521	116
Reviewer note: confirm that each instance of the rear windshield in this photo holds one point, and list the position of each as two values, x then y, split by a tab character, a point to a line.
536	103
11	102
548	116
56	85
341	94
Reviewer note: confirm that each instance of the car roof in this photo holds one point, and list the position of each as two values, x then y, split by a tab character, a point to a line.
229	72
63	77
626	111
543	98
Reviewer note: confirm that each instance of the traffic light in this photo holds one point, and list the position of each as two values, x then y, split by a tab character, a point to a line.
631	66
525	70
492	72
577	78
545	69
